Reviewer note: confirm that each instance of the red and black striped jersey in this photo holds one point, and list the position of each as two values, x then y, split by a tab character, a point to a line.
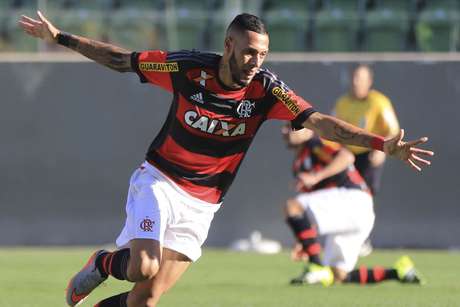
209	126
317	153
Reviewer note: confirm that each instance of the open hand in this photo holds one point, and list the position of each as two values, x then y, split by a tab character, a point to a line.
406	151
40	28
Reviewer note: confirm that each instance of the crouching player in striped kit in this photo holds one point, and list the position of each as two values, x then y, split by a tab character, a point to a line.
219	103
335	202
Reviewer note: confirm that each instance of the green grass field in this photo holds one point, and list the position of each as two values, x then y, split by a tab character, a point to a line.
37	277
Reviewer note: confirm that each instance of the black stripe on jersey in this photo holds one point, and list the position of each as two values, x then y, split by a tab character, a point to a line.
207	146
271	80
194	54
135	66
207	59
160	138
220	181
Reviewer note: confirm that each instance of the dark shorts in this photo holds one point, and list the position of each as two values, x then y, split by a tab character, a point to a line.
372	175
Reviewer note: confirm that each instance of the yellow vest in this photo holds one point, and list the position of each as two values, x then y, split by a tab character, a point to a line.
374	114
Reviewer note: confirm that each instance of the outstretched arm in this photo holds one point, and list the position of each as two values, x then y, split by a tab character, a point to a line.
337	130
105	54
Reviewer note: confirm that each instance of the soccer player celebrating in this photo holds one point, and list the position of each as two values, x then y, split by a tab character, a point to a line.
335	202
219	103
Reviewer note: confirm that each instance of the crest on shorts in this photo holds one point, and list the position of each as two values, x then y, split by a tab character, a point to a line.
147	225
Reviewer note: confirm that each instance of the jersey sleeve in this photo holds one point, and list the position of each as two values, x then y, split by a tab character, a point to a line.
153	67
288	105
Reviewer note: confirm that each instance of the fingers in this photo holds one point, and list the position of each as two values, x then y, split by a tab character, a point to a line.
411	161
422	151
42	17
426	162
401	135
30	25
413	165
25	25
419	141
30	20
29	28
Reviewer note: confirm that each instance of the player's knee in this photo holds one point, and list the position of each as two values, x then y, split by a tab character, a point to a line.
145	268
293	207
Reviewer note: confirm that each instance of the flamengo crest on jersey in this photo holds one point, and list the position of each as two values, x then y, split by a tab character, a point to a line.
245	108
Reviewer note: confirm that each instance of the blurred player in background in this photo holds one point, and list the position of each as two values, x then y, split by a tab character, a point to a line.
371	110
335	202
219	103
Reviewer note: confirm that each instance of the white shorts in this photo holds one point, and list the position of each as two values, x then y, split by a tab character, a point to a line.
158	209
345	217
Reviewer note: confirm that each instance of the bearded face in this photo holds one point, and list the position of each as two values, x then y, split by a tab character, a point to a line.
246	55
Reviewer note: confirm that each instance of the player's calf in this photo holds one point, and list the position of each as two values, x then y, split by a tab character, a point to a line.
143	268
114	263
122	266
304	231
145	259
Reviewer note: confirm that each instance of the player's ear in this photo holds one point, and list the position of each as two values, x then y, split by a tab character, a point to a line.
228	44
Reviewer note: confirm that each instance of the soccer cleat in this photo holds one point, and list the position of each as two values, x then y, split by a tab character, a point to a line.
315	274
85	281
407	273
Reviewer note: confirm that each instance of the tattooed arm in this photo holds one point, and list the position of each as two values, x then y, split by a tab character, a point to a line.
334	129
337	130
105	54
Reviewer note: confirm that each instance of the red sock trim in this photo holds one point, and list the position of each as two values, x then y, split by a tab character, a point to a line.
109	268
379	273
307	234
362	275
104	262
313	249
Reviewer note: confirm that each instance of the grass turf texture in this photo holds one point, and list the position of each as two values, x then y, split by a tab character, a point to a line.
37	277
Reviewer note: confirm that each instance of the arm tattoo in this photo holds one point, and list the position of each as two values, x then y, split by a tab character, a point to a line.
351	135
343	133
108	55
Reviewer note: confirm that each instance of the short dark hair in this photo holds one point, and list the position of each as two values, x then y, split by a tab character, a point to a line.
247	22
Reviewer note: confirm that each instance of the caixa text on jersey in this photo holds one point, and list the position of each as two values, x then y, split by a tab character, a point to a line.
213	126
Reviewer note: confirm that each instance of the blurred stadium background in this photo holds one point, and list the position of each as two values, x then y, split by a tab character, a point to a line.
295	25
72	132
